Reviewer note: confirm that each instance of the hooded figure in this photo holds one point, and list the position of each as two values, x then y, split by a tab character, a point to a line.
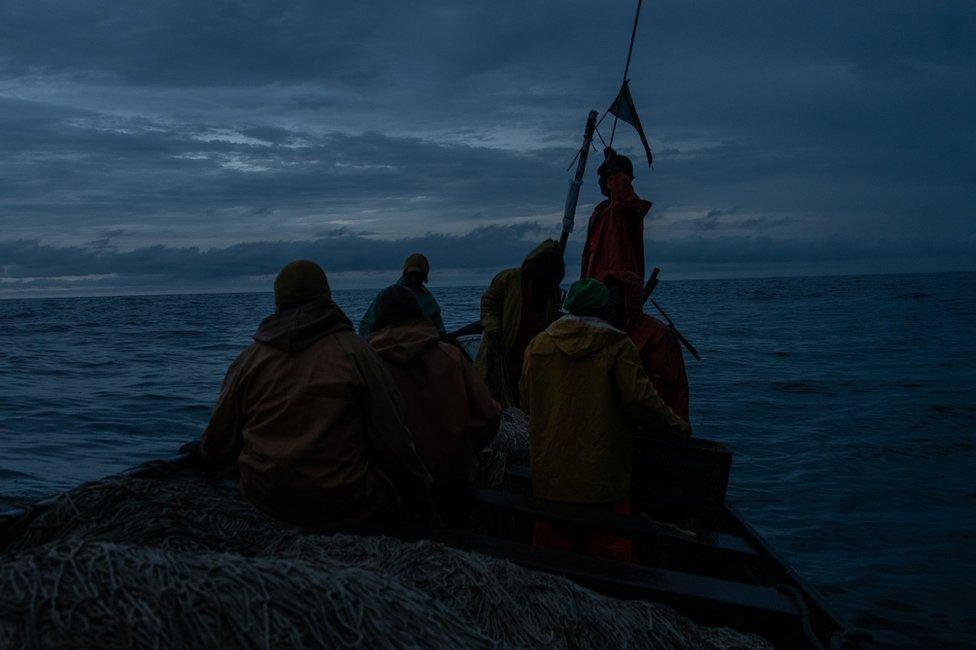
518	304
657	346
449	410
313	418
615	234
416	270
586	394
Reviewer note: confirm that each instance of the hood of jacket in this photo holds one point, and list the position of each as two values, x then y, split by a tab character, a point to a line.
581	336
404	343
293	330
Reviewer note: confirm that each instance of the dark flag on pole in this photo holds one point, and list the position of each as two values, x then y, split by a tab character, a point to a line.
623	107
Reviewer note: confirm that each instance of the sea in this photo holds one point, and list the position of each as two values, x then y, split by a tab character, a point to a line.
850	404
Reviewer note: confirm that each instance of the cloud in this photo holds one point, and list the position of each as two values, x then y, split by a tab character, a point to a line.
34	266
174	125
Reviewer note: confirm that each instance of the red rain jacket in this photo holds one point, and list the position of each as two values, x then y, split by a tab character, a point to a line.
657	346
615	235
660	354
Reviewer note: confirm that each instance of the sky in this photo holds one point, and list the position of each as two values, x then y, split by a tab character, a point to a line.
188	146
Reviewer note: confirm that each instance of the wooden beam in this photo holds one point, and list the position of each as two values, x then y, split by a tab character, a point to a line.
631	527
618	579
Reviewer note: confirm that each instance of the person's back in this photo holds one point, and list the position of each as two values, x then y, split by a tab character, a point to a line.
660	353
315	421
586	394
518	304
416	271
657	346
448	407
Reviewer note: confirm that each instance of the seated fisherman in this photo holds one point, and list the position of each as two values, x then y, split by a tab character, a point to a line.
586	393
657	346
519	303
416	270
314	419
449	410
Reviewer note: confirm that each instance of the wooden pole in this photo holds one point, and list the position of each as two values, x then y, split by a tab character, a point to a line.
572	197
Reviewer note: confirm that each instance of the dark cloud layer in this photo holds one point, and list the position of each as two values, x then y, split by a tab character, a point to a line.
174	143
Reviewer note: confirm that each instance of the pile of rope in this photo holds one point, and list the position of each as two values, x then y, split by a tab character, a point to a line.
179	558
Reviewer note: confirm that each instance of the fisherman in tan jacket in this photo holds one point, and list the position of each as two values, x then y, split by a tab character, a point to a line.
314	419
449	410
586	394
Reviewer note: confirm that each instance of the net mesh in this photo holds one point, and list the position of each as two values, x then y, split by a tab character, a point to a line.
178	558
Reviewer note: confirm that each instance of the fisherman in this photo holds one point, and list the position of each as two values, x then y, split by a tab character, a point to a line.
416	270
586	394
449	409
519	303
615	234
314	418
657	346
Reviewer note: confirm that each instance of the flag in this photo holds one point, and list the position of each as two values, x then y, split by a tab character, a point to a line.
623	107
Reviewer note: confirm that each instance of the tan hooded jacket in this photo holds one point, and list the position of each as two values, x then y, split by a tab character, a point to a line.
449	410
316	423
586	394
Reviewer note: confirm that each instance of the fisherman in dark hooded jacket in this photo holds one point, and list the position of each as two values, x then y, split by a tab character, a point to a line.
518	304
314	419
449	410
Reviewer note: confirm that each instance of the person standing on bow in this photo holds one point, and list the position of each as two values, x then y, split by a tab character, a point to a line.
416	270
615	234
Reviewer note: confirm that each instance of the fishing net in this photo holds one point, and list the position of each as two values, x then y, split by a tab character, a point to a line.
497	375
175	557
510	447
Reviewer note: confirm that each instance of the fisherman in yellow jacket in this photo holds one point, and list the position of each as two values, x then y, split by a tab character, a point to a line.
586	393
519	303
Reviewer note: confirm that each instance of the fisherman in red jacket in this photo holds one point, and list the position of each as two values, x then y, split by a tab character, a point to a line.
658	347
615	235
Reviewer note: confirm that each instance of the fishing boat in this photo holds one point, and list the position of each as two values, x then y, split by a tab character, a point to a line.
696	552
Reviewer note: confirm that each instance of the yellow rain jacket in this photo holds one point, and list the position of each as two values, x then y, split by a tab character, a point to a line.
586	394
501	307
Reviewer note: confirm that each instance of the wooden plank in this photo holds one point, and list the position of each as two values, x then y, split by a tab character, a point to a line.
618	579
733	542
623	525
829	620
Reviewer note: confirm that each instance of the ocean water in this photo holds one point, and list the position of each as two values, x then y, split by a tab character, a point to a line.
850	403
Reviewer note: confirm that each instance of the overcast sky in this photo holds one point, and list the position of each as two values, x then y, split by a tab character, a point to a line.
186	145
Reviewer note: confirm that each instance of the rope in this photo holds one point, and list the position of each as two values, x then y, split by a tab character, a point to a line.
630	51
805	618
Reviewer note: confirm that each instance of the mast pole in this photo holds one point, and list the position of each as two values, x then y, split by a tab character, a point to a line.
569	213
